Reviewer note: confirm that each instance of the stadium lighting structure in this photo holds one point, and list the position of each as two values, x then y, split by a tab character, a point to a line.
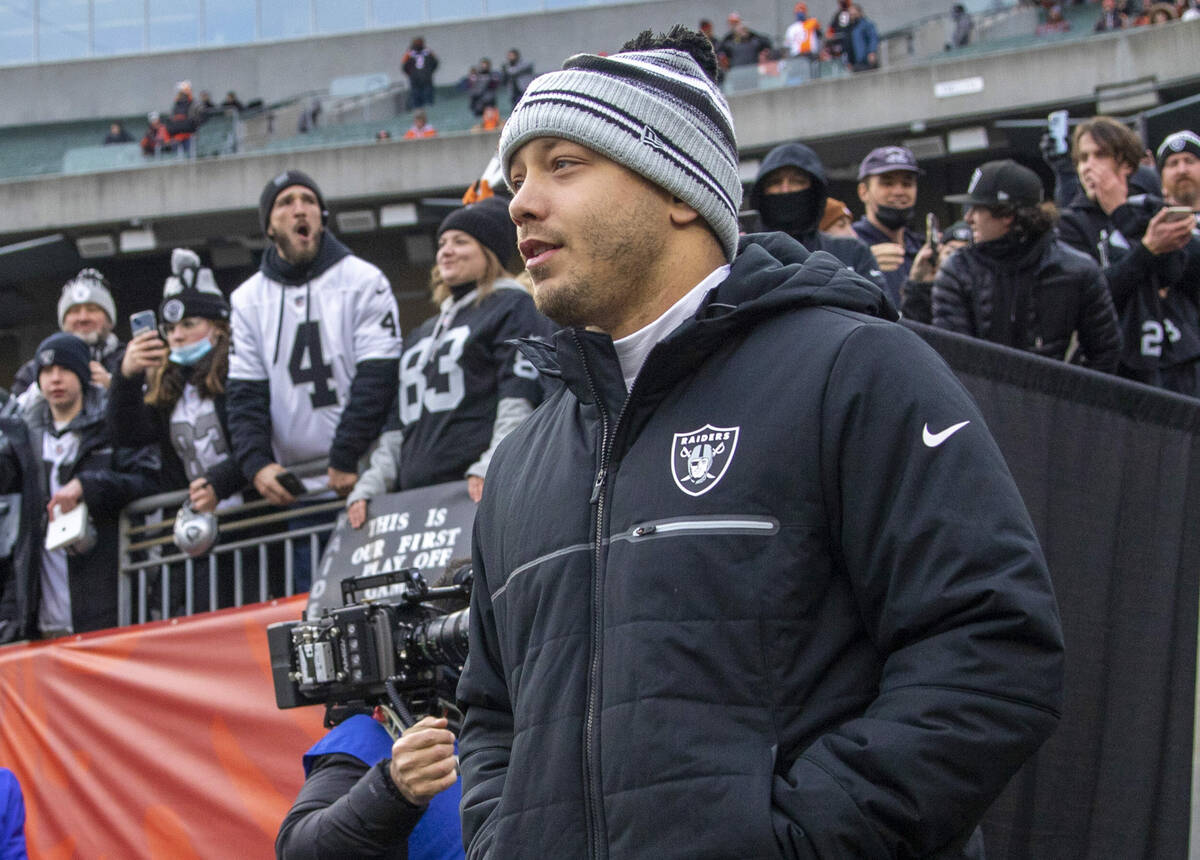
133	241
91	247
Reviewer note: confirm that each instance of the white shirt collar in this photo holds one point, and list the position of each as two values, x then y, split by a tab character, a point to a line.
633	348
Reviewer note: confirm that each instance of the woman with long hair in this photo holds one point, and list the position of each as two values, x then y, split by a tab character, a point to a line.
171	388
463	385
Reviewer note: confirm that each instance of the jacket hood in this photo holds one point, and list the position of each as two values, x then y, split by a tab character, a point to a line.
281	271
772	273
792	155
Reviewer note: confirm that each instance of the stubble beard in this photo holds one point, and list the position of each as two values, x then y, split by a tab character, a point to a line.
619	255
1185	192
292	253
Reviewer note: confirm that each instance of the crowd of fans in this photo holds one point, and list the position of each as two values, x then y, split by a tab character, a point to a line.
1107	276
173	130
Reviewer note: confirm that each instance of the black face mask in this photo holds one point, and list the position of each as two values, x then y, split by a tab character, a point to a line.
793	212
893	218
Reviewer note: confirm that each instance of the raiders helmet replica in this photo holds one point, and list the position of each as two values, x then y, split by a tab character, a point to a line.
195	533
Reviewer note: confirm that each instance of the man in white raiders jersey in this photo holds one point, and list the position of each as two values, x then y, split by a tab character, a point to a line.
463	384
312	366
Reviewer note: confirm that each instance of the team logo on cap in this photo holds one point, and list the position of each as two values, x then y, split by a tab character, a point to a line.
1178	144
46	357
896	155
81	293
173	311
975	177
701	457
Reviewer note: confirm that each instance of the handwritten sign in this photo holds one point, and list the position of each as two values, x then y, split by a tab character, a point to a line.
425	528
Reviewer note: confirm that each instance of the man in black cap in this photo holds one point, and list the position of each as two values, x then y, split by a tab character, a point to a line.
1178	159
1016	285
789	194
66	457
887	186
316	347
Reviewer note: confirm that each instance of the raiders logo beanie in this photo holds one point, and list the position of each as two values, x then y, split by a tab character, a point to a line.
88	287
1180	141
68	352
266	200
191	291
654	112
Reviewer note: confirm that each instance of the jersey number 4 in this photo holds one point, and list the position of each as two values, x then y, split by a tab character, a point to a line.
307	365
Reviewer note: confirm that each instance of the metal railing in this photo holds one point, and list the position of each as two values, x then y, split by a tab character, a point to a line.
155	580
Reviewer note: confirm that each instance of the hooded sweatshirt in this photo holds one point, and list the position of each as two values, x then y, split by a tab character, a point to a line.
798	213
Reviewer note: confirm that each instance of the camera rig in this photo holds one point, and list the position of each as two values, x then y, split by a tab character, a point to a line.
402	652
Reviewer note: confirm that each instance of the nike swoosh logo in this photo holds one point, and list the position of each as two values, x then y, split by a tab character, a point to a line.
932	440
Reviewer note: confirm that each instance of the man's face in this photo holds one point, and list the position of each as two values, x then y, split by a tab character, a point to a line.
87	321
295	224
786	179
1181	179
896	188
61	387
1108	5
1097	169
591	232
985	226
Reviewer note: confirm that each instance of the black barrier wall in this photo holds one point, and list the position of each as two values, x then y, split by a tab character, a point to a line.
1110	472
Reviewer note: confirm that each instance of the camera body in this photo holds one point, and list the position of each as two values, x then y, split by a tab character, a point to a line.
402	650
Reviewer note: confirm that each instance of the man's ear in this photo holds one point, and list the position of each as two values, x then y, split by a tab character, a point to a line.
862	192
681	213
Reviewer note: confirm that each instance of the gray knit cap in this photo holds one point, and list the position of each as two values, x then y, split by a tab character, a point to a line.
88	287
654	112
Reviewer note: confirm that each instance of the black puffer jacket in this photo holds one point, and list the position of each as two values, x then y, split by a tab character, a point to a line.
744	611
802	222
1031	295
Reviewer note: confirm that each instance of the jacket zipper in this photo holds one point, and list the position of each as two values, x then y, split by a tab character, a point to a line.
731	524
591	770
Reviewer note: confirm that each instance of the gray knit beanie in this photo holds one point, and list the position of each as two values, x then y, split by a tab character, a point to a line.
654	112
88	287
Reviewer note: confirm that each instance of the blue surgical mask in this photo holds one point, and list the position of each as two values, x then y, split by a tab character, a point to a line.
193	352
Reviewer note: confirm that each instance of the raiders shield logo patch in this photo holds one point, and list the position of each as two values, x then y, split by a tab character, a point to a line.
173	311
700	458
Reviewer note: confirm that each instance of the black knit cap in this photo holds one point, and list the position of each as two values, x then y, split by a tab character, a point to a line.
487	222
66	351
266	200
1180	141
191	291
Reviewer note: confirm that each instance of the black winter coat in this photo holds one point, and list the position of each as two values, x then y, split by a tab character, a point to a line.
1157	297
112	476
137	423
1029	295
744	611
24	501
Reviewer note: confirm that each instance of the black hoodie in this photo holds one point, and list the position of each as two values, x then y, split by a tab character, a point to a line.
841	635
248	403
804	226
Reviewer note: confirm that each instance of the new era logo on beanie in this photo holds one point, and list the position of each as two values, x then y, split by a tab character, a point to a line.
66	351
654	112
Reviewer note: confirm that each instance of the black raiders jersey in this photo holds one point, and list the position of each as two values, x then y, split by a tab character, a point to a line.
454	369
